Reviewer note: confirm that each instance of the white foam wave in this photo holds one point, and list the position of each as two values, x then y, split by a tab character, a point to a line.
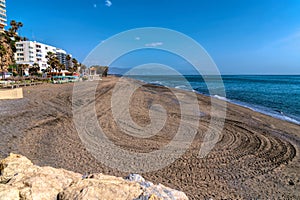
181	87
157	83
261	110
221	98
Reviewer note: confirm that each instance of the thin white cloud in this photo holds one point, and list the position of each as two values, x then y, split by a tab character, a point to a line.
108	3
291	41
95	5
154	44
294	37
137	38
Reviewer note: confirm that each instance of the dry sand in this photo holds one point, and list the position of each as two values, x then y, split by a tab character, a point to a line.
256	157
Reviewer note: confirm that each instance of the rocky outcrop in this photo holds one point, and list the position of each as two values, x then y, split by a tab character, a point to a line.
21	180
34	182
7	55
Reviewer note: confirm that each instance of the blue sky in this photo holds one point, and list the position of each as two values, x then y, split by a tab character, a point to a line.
242	37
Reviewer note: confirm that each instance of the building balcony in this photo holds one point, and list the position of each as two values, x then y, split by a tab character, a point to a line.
3	22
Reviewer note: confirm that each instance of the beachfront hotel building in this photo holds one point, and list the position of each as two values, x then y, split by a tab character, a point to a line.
30	52
2	15
62	57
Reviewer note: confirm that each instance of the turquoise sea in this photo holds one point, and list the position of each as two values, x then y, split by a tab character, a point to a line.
274	95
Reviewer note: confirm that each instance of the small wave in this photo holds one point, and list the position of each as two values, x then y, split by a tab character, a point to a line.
159	83
273	113
181	87
221	98
286	118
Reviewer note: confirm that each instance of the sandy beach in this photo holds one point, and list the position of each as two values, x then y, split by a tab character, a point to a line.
256	157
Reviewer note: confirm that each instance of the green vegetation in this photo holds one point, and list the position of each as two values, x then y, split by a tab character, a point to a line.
2	60
8	41
53	62
34	70
102	70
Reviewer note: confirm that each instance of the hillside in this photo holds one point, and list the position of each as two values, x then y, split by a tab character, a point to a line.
7	48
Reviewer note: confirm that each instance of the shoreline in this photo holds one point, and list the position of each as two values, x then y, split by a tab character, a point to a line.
256	154
256	108
259	110
271	113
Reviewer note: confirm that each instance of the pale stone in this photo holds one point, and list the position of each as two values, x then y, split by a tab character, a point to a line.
22	180
8	192
14	165
45	183
103	187
159	191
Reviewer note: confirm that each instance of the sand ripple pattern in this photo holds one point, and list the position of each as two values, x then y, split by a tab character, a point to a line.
256	157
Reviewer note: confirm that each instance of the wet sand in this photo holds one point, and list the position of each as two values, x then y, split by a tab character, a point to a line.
256	157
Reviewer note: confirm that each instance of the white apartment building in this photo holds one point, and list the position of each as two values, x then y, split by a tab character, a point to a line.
2	15
30	52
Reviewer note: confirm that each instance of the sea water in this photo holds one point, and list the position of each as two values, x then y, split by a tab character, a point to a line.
274	95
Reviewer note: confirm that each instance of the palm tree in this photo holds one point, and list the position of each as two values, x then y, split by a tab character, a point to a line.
15	26
75	65
22	68
34	69
53	61
63	67
69	63
60	67
35	65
